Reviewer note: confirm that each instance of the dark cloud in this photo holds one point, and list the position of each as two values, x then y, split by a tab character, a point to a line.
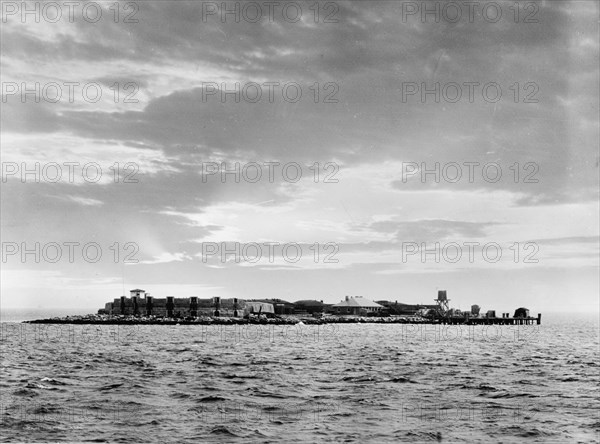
369	53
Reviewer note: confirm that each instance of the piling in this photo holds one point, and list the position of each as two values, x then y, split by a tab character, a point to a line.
170	305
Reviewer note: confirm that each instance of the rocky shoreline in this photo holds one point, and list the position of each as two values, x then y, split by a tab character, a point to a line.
213	320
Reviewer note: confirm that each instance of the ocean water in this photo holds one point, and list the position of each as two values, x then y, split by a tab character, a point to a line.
328	383
29	314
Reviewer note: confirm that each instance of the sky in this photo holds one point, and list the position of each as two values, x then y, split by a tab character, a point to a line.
381	150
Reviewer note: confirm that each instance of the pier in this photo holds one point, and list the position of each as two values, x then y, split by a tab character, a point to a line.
504	320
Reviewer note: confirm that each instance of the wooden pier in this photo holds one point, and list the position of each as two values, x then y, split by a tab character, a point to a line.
504	320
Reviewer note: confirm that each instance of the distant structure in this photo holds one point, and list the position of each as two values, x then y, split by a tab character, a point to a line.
521	312
309	306
442	302
356	306
141	303
259	308
280	306
400	309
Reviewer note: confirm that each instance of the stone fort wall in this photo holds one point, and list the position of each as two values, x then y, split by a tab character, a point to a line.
141	304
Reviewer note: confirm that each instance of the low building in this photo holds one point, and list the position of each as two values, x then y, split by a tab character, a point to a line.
399	308
280	306
259	308
309	306
356	305
521	312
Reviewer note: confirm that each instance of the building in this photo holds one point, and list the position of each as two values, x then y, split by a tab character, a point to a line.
140	303
356	305
521	312
259	308
280	306
398	308
309	306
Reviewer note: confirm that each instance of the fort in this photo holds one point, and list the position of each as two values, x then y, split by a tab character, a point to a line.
142	304
141	307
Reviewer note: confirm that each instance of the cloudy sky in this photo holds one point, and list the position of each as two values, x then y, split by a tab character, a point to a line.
137	94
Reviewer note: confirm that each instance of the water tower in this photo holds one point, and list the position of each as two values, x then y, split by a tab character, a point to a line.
442	303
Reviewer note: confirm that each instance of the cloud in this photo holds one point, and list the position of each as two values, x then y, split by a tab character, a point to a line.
85	201
371	130
430	230
167	257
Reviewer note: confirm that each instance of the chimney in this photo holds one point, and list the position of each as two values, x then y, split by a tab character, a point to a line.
347	298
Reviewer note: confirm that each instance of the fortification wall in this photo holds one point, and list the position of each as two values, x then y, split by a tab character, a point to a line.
171	306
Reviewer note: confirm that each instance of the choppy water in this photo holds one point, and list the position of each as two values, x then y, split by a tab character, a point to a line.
354	383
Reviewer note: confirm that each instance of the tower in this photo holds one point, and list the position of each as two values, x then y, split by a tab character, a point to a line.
442	303
217	302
